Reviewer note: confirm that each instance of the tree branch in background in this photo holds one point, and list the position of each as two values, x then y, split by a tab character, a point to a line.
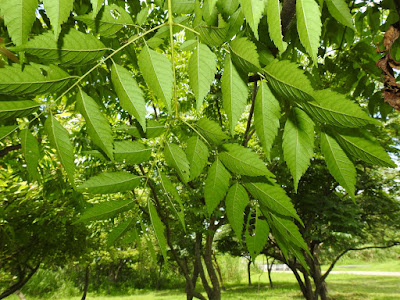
253	101
287	14
393	244
6	150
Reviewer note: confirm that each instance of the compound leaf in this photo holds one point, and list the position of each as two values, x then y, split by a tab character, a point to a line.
110	182
76	48
235	203
197	155
30	150
202	67
35	79
309	26
339	165
176	158
243	161
157	72
298	143
216	185
59	140
129	93
267	113
17	109
19	16
131	152
58	12
234	93
97	125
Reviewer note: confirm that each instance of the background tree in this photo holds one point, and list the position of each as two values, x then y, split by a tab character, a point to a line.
108	81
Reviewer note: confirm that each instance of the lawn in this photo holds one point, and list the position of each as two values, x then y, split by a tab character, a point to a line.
341	287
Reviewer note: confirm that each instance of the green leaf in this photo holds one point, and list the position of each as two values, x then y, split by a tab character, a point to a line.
182	6
7	130
288	230
309	26
97	125
58	12
235	24
298	143
270	196
235	203
76	48
267	113
17	109
119	231
253	10
257	231
59	140
216	185
340	11
30	150
19	16
112	19
287	81
202	67
105	210
173	197
158	229
245	55
96	6
274	24
157	72
176	158
212	36
131	152
234	93
211	6
142	15
154	129
110	182
361	145
243	161
339	165
335	109
211	131
197	155
129	93
228	7
35	79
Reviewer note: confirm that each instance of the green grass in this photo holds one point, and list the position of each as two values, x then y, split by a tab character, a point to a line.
341	287
356	265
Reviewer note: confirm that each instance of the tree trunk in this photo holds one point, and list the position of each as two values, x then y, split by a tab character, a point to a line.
248	271
218	270
158	285
17	286
20	295
207	256
86	284
269	269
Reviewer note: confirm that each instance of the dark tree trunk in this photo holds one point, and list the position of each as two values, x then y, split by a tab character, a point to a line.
158	285
20	295
86	284
269	269
218	271
248	271
18	285
207	256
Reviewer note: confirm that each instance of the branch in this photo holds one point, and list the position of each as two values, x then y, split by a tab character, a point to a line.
287	14
253	101
4	152
396	243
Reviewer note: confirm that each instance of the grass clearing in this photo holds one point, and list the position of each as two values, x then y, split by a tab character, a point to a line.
341	287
